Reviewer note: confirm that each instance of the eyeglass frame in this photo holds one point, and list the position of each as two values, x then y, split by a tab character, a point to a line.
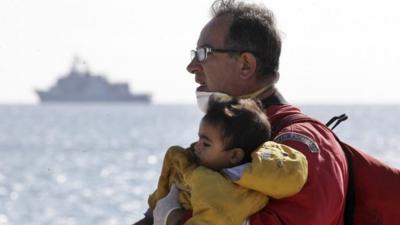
207	50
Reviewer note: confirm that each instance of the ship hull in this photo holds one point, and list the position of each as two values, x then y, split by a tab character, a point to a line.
46	97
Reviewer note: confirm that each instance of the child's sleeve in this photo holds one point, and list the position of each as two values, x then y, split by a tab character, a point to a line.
217	200
276	170
175	164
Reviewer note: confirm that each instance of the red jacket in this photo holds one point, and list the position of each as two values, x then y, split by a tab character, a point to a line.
322	199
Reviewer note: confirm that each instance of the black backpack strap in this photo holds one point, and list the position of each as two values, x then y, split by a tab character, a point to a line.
337	120
301	118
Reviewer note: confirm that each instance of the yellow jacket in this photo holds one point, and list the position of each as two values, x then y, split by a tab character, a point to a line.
230	196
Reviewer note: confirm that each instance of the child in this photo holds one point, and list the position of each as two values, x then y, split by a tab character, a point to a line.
228	173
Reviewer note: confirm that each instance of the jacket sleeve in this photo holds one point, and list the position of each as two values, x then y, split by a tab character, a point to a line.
176	163
215	199
276	170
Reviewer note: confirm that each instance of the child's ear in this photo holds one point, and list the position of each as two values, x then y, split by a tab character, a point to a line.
237	155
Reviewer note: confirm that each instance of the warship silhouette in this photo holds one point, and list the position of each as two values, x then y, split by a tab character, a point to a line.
83	86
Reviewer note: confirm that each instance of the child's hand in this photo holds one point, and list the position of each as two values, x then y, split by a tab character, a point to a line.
165	206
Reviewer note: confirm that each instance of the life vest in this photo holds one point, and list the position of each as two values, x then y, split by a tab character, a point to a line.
373	196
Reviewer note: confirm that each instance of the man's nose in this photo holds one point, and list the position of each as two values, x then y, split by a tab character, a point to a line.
194	66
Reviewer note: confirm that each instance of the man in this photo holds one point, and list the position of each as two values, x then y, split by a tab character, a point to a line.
238	54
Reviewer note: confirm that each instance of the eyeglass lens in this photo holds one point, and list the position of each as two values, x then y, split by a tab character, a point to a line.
199	54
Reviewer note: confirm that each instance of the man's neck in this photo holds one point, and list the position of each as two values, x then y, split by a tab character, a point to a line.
267	93
272	97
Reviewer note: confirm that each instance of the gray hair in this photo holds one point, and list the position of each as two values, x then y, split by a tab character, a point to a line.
253	29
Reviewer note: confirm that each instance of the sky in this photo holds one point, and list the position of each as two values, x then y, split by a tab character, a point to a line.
334	52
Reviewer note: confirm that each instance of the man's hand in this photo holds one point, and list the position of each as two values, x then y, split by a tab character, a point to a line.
165	206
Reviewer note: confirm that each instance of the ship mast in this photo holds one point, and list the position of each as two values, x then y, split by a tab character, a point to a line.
78	66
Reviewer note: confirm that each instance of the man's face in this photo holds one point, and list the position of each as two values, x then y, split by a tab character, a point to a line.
209	149
219	72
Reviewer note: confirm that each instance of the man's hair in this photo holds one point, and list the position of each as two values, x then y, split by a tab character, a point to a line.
253	29
242	123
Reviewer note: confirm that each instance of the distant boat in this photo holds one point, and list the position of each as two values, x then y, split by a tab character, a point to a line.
83	86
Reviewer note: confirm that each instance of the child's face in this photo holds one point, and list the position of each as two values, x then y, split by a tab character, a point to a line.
210	147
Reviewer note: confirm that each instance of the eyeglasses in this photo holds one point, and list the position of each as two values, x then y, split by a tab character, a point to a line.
201	53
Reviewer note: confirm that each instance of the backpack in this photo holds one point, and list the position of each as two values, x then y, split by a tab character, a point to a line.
373	194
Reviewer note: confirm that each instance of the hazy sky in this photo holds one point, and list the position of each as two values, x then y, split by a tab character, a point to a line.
342	51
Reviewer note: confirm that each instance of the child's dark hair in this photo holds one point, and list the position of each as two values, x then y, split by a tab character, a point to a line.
242	122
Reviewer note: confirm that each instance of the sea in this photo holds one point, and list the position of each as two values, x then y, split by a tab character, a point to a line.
96	164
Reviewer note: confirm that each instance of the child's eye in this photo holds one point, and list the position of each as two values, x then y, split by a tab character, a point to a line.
206	144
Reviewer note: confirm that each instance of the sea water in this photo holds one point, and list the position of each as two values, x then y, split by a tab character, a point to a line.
97	164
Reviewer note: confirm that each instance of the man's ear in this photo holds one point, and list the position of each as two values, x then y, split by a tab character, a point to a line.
236	156
248	65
